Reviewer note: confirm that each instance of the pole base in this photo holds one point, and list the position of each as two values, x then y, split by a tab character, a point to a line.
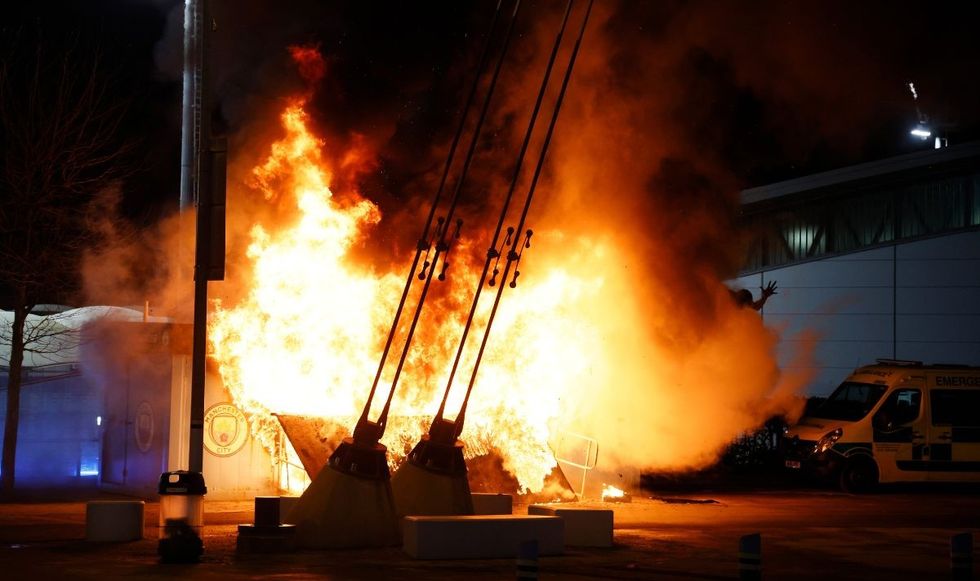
349	504
361	460
433	481
435	455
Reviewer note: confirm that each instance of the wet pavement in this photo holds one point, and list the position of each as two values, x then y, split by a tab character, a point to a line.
806	534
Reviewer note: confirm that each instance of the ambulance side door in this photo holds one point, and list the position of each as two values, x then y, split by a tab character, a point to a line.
954	434
899	436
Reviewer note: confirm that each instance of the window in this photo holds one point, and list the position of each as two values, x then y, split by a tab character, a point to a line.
955	407
847	218
901	407
850	402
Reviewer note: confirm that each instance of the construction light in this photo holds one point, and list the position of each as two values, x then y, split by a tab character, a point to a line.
921	132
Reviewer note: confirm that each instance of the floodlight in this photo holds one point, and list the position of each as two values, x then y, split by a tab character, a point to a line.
921	132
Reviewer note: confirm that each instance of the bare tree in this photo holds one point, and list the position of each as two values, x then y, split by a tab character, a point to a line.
59	124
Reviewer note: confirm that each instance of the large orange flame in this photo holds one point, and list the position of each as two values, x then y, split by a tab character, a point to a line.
620	330
306	338
621	334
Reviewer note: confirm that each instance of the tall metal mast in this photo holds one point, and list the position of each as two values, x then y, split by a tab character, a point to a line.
202	182
367	433
440	429
517	247
190	134
434	479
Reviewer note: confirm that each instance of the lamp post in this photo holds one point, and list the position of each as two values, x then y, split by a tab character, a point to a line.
922	129
203	160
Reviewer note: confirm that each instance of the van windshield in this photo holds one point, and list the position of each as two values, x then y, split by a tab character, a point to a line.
850	402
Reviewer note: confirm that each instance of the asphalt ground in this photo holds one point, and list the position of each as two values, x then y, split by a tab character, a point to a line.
806	534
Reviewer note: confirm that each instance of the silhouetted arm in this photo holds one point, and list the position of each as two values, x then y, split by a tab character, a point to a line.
766	293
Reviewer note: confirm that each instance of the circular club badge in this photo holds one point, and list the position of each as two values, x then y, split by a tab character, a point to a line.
225	429
143	426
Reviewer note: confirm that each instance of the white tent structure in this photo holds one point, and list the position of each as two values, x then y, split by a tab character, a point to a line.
54	339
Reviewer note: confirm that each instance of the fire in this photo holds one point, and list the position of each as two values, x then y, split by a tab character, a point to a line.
307	335
612	494
620	328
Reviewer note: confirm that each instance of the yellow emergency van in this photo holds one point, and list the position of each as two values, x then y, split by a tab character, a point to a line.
895	421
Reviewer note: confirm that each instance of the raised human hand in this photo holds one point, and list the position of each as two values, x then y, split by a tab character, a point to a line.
769	290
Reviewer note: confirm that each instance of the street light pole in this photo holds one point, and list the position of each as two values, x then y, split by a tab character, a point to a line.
210	231
202	182
194	190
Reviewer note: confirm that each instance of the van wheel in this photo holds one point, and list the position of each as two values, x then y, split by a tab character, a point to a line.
860	474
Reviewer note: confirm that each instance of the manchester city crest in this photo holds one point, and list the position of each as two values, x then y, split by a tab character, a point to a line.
225	429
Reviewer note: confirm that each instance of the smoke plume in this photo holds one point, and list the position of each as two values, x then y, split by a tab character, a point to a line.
672	109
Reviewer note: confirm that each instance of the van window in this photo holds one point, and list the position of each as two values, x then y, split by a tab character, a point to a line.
850	402
955	407
901	407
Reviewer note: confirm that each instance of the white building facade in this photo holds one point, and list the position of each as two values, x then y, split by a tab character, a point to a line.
879	260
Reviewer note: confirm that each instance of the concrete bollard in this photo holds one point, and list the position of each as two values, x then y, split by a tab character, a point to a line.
267	534
485	503
961	556
750	557
113	521
267	511
527	560
584	527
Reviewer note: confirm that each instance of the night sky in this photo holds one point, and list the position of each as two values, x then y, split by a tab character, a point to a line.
764	91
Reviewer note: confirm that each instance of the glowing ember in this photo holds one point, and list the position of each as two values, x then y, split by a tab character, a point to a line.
612	494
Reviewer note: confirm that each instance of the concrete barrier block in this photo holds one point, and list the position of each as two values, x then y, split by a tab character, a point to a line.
584	527
270	511
256	539
480	537
267	511
113	521
484	503
286	504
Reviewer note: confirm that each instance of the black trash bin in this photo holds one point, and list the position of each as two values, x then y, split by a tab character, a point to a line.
181	516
